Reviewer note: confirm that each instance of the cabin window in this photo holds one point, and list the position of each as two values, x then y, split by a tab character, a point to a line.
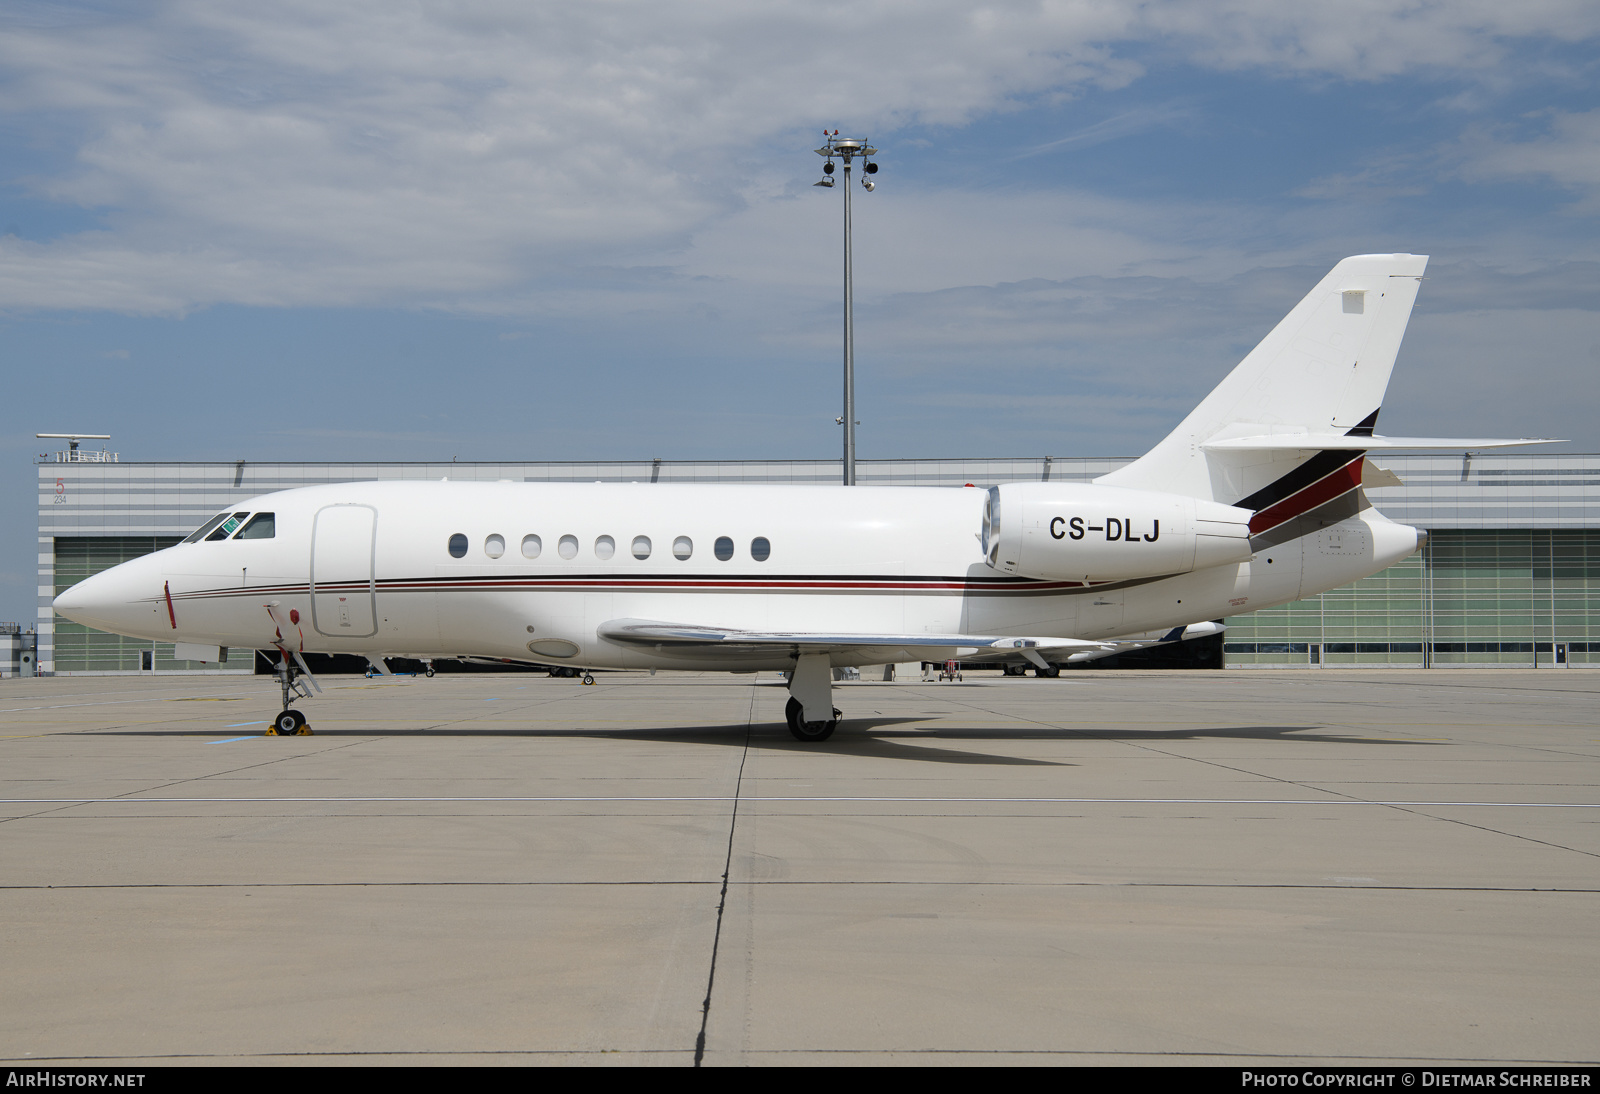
205	529
531	546
723	548
261	526
682	547
458	546
760	549
568	547
604	548
641	546
495	545
228	527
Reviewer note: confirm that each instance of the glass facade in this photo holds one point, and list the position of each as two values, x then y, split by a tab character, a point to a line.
1470	597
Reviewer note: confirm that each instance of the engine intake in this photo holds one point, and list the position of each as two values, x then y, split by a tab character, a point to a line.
1082	532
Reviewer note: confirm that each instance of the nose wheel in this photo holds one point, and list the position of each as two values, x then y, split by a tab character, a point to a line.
290	723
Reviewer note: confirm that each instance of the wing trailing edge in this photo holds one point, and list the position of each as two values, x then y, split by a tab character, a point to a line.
930	647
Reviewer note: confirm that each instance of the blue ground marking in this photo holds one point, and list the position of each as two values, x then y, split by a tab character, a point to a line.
230	740
241	725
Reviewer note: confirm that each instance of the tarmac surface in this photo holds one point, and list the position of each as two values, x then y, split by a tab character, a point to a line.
1240	868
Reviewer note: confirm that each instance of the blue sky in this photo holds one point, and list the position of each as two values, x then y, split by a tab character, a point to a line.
501	230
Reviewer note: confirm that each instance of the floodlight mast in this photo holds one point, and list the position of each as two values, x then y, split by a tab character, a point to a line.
846	149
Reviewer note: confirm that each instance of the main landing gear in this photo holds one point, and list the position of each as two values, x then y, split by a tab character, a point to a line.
290	722
810	695
809	731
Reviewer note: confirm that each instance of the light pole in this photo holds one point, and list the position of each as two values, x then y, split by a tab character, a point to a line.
846	149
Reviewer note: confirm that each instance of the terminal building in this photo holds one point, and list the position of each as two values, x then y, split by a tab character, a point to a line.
1509	577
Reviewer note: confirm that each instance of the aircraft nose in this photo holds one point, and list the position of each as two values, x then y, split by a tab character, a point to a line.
116	600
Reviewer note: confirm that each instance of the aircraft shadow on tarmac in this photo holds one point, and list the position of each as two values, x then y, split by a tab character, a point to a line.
872	737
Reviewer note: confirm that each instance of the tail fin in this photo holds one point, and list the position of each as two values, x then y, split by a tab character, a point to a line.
1321	372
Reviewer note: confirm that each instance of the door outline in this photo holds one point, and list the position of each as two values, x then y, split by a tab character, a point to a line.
339	631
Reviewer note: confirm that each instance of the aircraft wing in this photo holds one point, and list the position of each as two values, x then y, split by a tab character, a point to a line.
869	647
1130	642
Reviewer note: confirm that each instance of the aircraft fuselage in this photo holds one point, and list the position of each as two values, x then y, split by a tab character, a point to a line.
531	572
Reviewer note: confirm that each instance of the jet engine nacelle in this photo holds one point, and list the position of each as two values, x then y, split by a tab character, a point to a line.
1081	532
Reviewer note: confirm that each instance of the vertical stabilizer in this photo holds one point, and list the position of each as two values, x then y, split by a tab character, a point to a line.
1322	370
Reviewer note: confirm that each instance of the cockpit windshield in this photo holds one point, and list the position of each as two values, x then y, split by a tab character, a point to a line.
228	527
261	526
201	532
223	525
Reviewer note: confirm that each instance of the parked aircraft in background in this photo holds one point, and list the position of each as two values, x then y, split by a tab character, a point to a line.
1254	500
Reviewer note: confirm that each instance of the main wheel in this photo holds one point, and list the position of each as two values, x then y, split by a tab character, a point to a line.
1048	674
1014	670
290	723
808	731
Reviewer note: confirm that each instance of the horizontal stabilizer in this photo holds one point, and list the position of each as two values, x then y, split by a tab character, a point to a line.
1320	442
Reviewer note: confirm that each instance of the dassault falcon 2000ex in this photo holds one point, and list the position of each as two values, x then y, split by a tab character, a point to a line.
1254	500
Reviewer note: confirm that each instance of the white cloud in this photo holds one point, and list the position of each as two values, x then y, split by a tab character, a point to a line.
1567	153
1498	373
455	155
1369	39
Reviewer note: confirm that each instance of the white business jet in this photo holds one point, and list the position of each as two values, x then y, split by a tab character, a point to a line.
1254	500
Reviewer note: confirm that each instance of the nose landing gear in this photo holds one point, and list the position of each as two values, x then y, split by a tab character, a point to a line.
290	722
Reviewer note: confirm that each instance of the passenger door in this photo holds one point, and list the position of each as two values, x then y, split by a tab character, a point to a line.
343	592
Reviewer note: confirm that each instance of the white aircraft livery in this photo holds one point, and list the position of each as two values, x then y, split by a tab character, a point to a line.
1254	500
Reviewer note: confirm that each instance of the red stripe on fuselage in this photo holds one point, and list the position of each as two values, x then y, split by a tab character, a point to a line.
1325	489
657	583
